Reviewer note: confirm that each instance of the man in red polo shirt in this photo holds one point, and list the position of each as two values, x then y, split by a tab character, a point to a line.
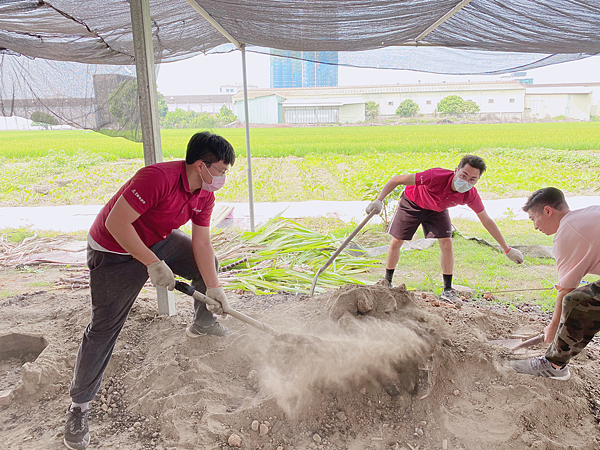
136	237
425	201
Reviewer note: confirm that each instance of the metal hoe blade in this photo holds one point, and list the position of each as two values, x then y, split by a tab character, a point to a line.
518	344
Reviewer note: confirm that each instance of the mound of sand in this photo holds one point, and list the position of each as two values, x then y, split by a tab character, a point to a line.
388	370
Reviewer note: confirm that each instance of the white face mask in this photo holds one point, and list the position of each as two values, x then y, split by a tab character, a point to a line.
461	185
216	184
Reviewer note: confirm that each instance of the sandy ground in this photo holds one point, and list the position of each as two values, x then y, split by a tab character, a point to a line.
384	369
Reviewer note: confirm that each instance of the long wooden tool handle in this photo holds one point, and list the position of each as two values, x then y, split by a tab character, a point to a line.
190	290
339	250
529	342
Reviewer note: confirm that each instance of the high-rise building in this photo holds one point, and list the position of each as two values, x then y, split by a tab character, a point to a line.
298	69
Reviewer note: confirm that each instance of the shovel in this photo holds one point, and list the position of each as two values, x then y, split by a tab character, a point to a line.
518	344
339	250
285	337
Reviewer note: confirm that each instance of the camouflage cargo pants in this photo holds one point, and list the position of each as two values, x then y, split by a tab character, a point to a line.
579	322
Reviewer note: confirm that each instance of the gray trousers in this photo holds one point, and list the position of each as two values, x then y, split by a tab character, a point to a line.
115	282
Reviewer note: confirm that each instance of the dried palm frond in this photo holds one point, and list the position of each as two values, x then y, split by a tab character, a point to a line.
283	255
18	252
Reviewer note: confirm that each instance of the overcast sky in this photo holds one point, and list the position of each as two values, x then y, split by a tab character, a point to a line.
204	74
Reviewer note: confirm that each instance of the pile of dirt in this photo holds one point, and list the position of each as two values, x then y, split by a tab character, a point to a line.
389	370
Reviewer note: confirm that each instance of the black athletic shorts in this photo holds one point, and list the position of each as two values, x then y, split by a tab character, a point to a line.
409	216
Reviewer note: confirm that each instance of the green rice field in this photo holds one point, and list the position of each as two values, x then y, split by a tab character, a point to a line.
319	163
346	140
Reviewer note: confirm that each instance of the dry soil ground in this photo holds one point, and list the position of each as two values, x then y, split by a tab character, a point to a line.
391	371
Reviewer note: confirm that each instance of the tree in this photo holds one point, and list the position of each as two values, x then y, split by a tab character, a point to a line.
42	119
225	116
453	104
371	110
163	109
470	107
189	119
178	119
123	105
407	108
203	120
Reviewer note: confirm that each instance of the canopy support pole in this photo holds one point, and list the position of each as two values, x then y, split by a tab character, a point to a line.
442	19
248	153
146	80
242	47
148	102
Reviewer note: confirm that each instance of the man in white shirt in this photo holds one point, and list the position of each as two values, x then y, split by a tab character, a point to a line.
576	248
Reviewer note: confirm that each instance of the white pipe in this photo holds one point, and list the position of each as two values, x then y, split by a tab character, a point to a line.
248	154
442	19
214	23
242	47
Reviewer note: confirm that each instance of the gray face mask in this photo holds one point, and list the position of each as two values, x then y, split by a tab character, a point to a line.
461	185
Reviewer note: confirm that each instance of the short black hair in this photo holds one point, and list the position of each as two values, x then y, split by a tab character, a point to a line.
549	196
209	147
474	161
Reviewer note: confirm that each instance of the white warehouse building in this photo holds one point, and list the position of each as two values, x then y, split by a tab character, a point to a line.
347	104
504	99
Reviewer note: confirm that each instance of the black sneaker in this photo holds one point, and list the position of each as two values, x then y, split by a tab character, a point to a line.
216	329
77	432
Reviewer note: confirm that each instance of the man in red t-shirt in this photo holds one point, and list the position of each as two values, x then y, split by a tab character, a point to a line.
425	201
136	236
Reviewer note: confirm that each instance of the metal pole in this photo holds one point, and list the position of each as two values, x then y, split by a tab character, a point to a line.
242	47
141	24
248	154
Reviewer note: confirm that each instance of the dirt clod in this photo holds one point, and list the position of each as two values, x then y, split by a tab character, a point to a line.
263	429
234	440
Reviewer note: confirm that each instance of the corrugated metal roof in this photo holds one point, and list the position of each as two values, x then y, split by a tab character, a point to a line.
217	98
580	84
381	89
335	101
557	90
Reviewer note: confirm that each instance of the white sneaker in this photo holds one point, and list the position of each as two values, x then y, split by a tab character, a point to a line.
540	367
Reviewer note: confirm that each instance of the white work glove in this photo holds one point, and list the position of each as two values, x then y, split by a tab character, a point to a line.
221	305
376	206
161	275
514	255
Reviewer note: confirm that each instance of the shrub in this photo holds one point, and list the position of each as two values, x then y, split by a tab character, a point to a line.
407	108
42	119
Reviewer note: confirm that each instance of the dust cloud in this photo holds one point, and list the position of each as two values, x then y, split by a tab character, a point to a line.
369	350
